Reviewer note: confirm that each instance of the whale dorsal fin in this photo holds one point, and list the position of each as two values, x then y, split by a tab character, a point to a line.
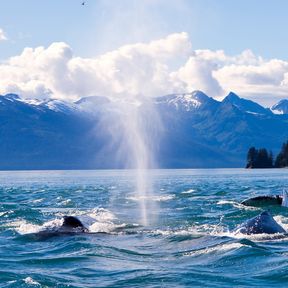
73	222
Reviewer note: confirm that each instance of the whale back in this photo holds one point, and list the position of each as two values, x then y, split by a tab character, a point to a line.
71	223
259	201
263	223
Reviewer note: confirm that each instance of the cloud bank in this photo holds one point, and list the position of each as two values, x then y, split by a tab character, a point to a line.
164	66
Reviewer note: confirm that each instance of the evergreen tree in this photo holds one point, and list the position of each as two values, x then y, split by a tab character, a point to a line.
270	159
282	158
262	160
251	157
259	158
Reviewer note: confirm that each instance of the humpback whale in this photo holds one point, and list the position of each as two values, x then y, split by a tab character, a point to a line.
258	201
263	223
263	200
69	225
72	224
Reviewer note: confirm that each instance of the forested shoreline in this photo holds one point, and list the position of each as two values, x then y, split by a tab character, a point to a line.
261	158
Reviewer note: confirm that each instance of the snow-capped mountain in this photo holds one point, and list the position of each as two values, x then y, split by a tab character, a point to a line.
245	105
59	106
281	107
51	104
187	101
197	131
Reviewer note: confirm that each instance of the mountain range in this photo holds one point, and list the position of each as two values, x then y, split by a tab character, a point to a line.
196	131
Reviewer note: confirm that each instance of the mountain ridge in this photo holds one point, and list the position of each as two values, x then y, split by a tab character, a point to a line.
198	132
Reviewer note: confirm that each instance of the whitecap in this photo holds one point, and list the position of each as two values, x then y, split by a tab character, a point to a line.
224	202
101	215
107	227
236	205
219	248
28	228
259	237
38	200
188	191
281	220
23	227
96	220
6	213
66	202
182	232
31	281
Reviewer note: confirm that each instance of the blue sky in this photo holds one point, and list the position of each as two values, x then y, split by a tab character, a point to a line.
174	45
104	25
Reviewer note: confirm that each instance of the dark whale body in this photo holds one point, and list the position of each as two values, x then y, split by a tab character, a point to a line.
263	223
259	201
70	225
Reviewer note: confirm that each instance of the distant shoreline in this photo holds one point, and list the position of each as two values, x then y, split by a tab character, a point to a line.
132	169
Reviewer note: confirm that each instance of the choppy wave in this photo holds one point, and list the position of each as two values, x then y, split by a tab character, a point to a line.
189	191
100	221
219	248
30	281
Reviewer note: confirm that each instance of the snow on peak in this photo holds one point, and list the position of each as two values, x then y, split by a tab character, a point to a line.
55	105
185	101
200	96
59	106
281	107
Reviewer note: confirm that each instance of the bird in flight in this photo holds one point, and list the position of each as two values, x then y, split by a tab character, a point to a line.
83	3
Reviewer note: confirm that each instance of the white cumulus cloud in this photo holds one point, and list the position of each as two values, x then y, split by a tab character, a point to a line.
133	69
156	68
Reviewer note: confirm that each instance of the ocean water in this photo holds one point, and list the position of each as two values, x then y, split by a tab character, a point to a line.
189	241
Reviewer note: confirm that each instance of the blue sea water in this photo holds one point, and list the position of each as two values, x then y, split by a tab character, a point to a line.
188	242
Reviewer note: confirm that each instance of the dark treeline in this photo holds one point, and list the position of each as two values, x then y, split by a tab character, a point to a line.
261	158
